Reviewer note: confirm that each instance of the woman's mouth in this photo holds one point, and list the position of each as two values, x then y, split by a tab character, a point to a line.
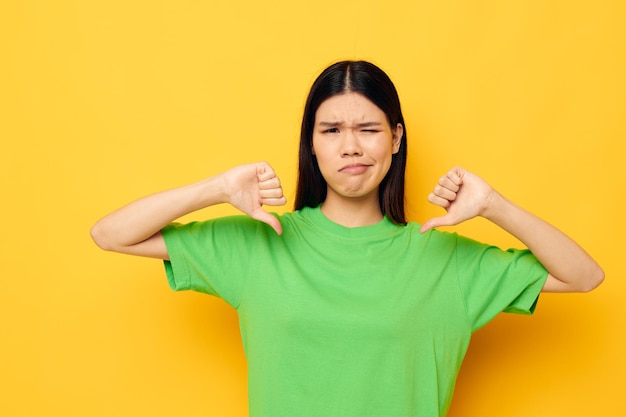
354	169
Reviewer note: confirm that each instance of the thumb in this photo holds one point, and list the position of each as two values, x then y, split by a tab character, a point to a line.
268	219
436	222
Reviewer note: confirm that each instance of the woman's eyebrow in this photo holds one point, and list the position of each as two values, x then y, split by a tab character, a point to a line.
368	124
335	124
330	124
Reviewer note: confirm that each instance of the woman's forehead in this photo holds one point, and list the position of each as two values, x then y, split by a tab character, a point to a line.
348	108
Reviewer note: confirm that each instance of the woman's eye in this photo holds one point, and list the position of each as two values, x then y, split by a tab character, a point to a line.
332	130
369	130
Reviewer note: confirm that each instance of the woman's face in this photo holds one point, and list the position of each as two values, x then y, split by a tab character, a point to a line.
354	144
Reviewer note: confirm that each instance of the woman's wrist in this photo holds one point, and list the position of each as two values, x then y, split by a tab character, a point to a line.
209	192
496	206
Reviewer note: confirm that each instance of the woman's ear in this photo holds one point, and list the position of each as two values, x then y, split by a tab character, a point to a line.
396	138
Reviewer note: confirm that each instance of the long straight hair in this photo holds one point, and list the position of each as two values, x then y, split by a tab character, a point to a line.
370	81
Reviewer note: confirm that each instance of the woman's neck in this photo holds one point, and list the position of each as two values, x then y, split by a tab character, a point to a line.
352	212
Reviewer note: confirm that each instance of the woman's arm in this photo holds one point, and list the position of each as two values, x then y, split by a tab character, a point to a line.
135	228
465	195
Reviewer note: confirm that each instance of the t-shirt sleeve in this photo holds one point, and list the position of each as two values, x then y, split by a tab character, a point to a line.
210	257
493	280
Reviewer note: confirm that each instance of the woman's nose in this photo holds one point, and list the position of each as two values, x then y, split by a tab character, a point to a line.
350	144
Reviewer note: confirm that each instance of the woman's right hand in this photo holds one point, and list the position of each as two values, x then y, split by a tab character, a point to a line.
249	187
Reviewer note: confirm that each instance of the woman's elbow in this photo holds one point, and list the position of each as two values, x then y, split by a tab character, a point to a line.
595	279
588	281
99	237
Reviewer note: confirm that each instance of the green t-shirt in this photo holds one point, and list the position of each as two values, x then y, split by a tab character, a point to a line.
370	321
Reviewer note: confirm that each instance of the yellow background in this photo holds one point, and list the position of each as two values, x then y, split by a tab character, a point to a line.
105	101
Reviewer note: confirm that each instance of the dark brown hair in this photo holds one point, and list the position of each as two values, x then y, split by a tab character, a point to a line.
367	79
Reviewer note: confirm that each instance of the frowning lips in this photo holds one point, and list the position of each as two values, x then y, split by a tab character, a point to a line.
356	168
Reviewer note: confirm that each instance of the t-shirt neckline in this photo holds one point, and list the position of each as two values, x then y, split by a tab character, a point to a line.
315	215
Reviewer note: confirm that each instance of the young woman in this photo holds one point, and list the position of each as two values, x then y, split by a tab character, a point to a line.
345	308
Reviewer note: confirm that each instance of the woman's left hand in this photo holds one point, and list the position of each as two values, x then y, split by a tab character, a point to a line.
464	195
